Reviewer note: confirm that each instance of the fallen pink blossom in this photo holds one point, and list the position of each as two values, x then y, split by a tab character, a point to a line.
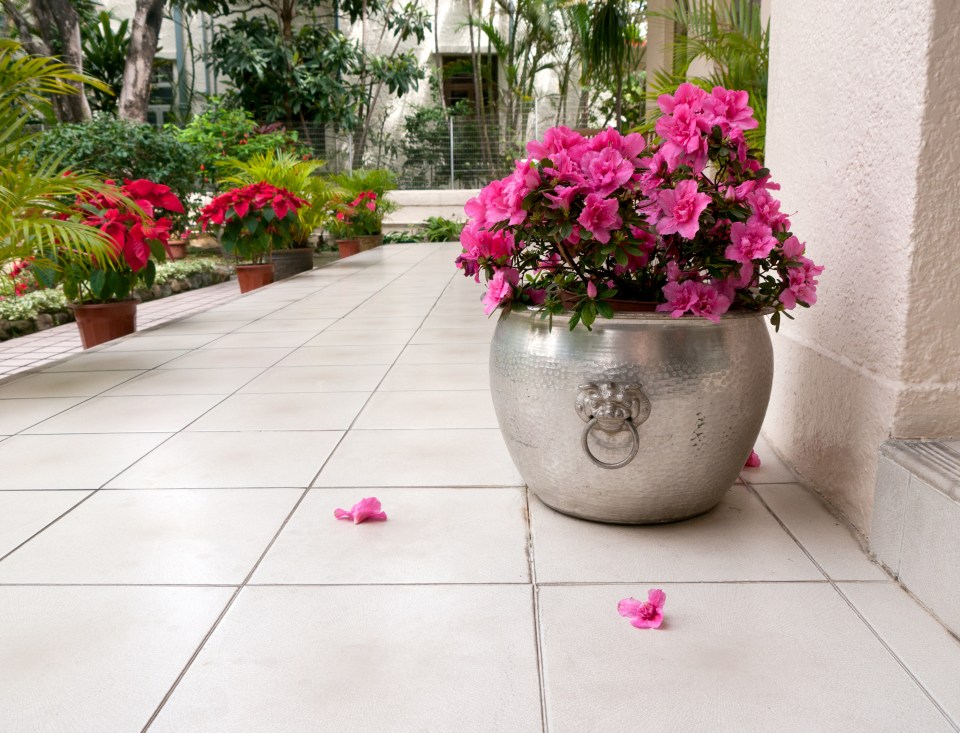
364	510
753	461
644	615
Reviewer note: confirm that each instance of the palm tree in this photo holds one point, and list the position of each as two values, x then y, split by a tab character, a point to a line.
36	194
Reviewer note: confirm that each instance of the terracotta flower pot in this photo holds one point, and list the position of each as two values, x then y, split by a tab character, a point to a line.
369	241
348	247
102	322
252	277
178	249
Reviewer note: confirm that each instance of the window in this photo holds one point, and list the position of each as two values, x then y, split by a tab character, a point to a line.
458	83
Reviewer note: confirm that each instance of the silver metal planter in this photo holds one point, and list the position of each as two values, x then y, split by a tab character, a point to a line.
645	419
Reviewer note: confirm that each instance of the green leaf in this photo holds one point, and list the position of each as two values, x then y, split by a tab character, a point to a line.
98	281
149	273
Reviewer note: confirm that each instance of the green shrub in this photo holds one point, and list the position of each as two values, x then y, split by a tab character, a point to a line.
27	306
401	237
223	132
121	149
438	229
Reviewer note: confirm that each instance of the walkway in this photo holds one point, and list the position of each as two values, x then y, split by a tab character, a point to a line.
36	349
169	559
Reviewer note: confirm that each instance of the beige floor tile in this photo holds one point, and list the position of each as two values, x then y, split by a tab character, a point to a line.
284	411
65	384
343	355
738	540
167	536
357	378
22	513
398	659
96	659
831	543
228	358
924	646
232	460
421	458
434	409
100	361
430	536
21	414
404	377
445	354
130	414
729	658
70	461
187	382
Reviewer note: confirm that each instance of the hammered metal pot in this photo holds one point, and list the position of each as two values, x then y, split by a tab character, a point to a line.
645	419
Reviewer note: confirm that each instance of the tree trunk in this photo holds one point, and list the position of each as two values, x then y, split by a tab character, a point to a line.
137	73
59	27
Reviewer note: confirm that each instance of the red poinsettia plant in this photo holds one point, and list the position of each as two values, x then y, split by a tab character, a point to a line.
361	217
687	224
252	218
132	216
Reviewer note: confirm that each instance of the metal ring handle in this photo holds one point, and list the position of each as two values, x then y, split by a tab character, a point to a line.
603	464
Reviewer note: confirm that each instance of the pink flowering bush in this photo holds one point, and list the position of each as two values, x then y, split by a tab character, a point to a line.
687	224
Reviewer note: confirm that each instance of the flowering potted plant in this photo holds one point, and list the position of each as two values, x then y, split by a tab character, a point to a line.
250	219
679	248
130	217
340	226
367	219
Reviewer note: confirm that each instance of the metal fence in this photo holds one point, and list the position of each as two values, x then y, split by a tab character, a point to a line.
434	152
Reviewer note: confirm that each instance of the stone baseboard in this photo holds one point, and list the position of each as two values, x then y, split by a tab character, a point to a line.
916	522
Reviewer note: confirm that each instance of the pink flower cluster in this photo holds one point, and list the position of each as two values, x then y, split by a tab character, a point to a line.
653	223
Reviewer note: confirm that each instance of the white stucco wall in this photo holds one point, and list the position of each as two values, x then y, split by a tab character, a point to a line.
854	132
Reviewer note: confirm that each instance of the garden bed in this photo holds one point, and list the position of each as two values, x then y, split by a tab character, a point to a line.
43	309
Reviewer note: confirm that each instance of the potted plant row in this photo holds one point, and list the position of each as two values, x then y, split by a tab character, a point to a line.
631	365
250	221
299	175
99	288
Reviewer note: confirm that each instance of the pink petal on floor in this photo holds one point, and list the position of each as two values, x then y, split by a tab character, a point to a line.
365	510
753	461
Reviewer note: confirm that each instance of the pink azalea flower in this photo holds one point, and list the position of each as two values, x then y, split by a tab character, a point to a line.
792	248
751	241
694	297
591	290
629	146
753	461
681	208
685	138
729	108
766	209
801	284
600	216
644	615
500	289
606	171
365	510
564	169
563	197
558	139
688	94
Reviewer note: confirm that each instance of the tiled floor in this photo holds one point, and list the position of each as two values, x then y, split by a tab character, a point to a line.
169	560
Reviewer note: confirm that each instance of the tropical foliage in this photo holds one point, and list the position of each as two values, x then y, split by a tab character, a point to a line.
287	171
35	212
729	39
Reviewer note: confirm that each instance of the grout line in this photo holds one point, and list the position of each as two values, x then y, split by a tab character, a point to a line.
879	637
537	628
47	525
